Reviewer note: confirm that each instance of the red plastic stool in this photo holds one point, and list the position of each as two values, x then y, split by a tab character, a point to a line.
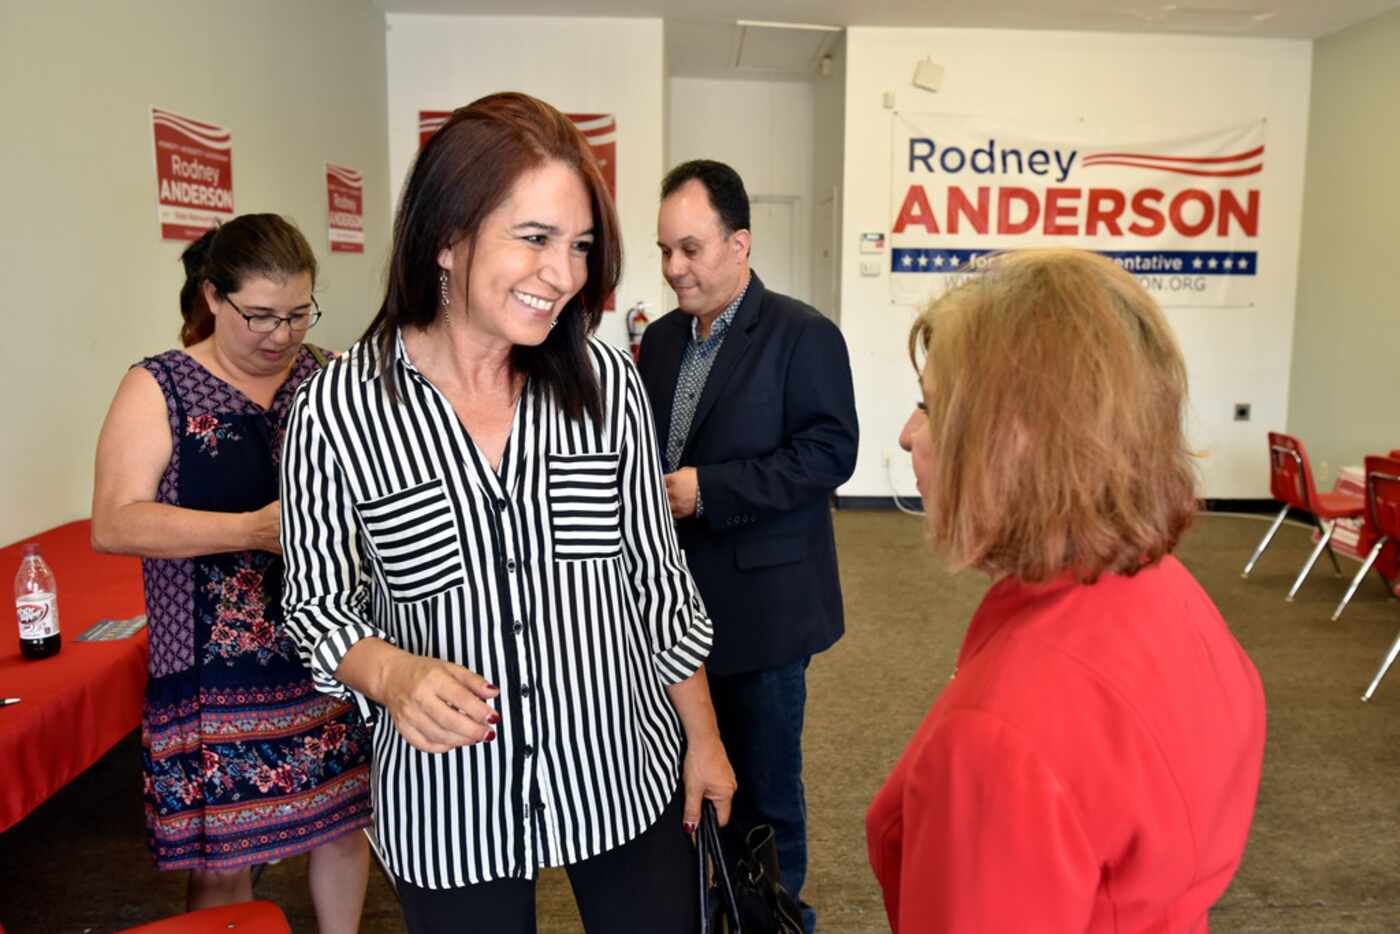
245	918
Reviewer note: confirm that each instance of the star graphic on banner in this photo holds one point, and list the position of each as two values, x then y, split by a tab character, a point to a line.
1196	263
1229	263
1243	262
1212	263
953	261
923	259
938	261
907	261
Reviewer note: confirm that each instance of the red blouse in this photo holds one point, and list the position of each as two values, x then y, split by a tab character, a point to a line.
1091	767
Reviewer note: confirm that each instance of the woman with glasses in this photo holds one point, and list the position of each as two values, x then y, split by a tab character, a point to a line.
245	761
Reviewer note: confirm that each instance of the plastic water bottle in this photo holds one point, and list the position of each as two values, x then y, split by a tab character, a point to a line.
36	606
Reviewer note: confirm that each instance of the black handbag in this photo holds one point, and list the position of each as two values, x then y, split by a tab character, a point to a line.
751	898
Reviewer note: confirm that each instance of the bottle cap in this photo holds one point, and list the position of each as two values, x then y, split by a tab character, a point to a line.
31	549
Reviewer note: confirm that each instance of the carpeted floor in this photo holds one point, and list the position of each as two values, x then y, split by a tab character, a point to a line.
1322	857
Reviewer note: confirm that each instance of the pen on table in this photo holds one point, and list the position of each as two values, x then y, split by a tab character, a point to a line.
7	701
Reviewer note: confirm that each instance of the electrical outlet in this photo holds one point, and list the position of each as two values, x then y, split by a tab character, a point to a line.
1241	411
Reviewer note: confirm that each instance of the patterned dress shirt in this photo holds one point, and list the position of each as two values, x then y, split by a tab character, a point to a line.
690	383
556	576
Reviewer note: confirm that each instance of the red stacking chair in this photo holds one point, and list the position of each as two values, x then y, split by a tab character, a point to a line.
242	918
1374	540
1291	483
1383	501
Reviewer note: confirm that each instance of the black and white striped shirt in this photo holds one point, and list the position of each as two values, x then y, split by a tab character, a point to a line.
557	579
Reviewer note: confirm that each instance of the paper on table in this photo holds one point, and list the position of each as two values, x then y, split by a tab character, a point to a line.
108	629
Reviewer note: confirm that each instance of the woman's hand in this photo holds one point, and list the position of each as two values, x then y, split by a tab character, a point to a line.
436	705
707	775
265	528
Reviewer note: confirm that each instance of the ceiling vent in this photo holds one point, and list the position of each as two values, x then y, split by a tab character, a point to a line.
782	48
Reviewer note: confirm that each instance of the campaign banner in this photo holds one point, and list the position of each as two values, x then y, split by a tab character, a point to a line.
600	130
194	175
1181	213
345	208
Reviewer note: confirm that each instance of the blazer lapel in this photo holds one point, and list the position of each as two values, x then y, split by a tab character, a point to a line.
736	344
663	373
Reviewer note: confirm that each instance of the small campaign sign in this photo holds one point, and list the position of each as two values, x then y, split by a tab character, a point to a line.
194	175
345	208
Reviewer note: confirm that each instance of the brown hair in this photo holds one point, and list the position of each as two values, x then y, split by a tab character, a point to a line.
464	172
265	245
1055	395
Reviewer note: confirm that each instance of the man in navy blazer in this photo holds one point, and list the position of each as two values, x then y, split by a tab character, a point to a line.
751	391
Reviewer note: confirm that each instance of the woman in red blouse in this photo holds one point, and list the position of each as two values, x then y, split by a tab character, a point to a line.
1093	764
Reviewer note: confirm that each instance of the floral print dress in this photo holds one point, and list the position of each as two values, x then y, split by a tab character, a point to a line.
244	760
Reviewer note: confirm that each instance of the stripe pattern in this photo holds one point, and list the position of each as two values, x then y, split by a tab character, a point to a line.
557	577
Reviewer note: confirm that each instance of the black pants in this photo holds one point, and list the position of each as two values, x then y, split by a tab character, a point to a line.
647	884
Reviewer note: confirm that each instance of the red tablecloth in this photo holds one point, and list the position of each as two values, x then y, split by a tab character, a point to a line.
76	705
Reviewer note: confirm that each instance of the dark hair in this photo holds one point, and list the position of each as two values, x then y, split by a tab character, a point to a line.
264	245
464	172
722	184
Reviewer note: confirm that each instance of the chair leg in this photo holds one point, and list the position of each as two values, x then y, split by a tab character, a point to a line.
1268	537
1312	559
1385	666
1336	567
1360	576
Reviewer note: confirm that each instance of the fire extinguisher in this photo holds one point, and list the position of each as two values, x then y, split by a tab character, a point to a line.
637	321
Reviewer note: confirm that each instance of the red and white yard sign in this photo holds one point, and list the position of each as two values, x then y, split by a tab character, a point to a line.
194	175
345	208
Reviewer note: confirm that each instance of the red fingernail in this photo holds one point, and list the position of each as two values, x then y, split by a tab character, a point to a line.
490	735
689	826
493	718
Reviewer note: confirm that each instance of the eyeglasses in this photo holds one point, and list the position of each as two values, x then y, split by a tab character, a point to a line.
266	324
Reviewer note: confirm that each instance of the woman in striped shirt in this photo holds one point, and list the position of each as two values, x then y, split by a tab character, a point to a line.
479	553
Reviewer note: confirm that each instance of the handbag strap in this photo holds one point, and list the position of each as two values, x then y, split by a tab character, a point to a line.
711	852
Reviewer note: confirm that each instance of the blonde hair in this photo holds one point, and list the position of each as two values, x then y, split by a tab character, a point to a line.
1055	394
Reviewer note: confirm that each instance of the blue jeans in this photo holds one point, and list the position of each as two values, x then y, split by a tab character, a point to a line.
760	720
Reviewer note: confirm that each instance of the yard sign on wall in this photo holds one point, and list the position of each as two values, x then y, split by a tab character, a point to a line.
345	208
194	175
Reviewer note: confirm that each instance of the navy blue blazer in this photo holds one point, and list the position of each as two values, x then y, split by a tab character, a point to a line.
773	437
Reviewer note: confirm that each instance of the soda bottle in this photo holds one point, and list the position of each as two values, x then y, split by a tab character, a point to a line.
36	605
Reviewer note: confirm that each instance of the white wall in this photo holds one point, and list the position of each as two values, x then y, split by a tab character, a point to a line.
764	130
1143	86
578	65
1345	393
89	287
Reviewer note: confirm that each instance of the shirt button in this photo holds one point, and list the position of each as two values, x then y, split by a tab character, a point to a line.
517	627
510	565
539	807
501	505
529	750
524	690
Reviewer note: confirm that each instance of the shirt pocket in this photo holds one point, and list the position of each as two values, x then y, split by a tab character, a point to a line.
414	535
585	507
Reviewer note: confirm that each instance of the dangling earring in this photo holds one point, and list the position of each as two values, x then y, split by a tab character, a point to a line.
553	324
442	288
